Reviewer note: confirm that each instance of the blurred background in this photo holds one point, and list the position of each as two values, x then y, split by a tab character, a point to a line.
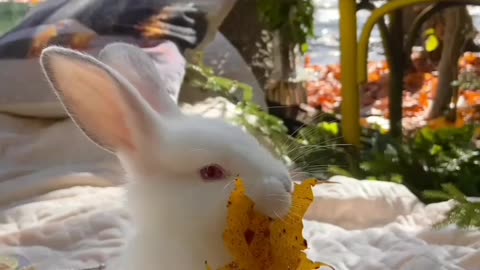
419	105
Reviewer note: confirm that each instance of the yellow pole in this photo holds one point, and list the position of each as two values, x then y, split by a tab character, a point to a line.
350	90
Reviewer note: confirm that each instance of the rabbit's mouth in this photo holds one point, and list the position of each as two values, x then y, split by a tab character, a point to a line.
276	206
275	199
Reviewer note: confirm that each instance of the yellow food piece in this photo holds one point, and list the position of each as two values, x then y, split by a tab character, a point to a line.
258	242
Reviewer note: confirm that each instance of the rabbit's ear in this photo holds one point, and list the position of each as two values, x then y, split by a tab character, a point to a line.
99	100
157	77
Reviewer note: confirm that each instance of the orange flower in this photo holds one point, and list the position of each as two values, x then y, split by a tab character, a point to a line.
472	97
35	2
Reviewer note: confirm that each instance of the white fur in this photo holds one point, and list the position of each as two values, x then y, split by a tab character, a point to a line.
179	217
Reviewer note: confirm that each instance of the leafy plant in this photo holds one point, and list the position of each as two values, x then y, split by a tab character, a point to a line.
319	150
296	16
465	214
248	114
434	164
207	79
427	160
468	80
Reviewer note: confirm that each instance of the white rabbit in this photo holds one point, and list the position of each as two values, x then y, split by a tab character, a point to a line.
181	167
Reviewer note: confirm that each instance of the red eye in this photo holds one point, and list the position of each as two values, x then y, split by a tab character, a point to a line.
212	172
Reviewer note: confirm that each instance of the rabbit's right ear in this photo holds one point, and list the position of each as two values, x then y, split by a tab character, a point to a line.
157	78
100	101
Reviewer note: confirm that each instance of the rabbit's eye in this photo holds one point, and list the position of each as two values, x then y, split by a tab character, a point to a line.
212	172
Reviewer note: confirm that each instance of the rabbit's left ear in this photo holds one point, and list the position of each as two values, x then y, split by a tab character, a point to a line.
156	73
101	102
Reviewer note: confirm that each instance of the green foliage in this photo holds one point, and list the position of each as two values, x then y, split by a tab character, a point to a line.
248	114
319	147
468	81
434	164
426	161
10	14
465	214
207	80
294	16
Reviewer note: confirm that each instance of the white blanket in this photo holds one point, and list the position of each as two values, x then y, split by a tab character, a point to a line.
61	207
370	225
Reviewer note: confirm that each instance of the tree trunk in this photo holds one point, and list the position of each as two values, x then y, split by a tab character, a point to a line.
271	58
456	35
244	30
456	32
283	95
397	63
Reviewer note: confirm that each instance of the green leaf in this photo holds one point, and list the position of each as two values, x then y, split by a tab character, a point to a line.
427	134
430	31
335	170
436	195
431	43
435	150
397	178
305	47
331	128
247	92
454	192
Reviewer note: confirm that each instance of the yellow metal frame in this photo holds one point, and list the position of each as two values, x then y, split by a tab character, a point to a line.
355	75
350	93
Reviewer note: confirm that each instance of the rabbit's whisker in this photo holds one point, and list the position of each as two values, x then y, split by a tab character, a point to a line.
278	216
229	184
280	201
277	195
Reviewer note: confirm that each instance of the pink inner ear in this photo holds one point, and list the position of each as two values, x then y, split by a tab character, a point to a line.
95	103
